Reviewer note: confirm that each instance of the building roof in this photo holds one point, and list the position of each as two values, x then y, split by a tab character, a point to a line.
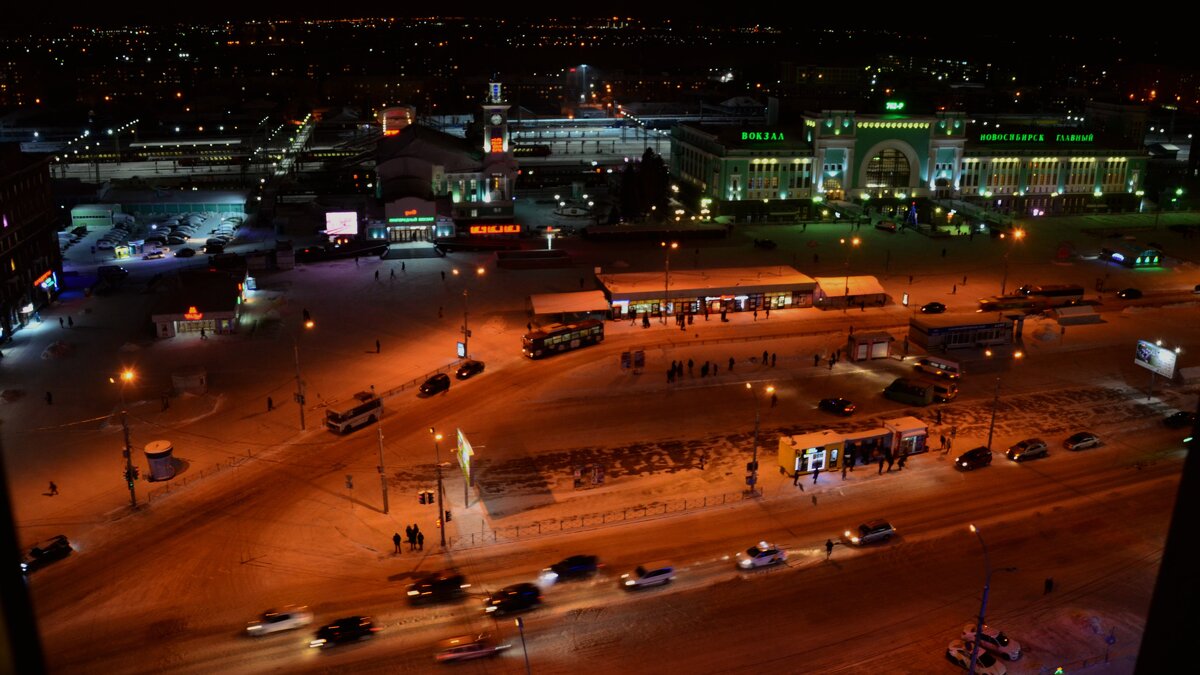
815	439
634	285
905	424
836	286
559	303
206	290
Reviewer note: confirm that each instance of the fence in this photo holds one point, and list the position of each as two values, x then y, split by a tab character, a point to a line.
178	483
595	520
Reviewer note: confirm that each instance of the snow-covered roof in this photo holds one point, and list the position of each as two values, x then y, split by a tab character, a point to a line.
635	285
559	303
906	424
835	286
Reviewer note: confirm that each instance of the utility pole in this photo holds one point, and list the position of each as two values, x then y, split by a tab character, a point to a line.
128	461
299	382
437	455
466	330
382	471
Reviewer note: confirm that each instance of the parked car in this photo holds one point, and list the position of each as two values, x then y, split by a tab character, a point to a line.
1129	294
185	252
469	368
994	641
440	586
974	459
1081	440
1030	448
154	254
572	567
959	653
871	532
652	574
45	552
437	383
1180	420
760	555
933	308
514	598
838	406
346	629
277	620
467	647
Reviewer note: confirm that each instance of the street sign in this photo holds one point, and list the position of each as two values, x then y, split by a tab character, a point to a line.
750	480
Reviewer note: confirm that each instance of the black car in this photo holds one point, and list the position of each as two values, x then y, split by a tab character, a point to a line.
765	244
441	586
346	629
1180	420
1129	294
468	368
437	383
933	308
838	406
185	252
575	567
974	459
54	548
514	598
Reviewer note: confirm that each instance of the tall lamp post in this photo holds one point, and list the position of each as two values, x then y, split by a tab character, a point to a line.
466	329
996	399
753	477
308	324
127	375
850	245
521	627
437	454
667	247
1017	235
987	584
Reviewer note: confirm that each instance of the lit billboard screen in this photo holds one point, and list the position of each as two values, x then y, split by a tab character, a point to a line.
1155	358
341	223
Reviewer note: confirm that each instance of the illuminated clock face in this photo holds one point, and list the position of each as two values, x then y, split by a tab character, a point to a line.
497	120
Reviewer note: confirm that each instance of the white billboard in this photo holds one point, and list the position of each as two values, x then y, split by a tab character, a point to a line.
1155	358
341	223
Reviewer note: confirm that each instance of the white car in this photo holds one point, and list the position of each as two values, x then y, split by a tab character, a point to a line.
959	653
653	574
993	641
760	556
467	647
276	620
155	254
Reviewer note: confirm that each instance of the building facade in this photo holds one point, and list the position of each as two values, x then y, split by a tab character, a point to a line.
30	259
1025	168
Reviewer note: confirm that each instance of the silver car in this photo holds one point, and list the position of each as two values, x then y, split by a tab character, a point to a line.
653	574
1030	448
277	620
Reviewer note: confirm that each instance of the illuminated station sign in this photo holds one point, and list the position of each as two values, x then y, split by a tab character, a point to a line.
495	229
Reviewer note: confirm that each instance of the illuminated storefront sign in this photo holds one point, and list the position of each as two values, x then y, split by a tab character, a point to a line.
1037	138
47	282
192	314
763	136
411	219
894	105
495	229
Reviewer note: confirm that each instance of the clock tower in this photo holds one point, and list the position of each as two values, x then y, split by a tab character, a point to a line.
495	121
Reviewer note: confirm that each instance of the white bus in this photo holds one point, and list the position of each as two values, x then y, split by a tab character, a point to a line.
365	408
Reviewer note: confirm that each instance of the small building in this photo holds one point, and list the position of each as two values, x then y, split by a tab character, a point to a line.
849	292
827	450
704	291
867	345
198	301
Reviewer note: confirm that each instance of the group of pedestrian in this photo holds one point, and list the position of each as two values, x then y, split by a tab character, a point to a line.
70	322
676	369
767	359
413	535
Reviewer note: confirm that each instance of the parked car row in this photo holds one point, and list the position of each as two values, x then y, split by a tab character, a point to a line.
440	382
119	234
1022	451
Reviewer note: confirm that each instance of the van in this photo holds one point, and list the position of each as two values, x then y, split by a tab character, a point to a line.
939	367
944	391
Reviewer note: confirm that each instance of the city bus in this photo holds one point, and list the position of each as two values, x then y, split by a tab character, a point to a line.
1002	303
363	409
563	337
1053	296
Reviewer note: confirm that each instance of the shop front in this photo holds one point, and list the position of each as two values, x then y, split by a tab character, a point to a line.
705	292
205	303
827	450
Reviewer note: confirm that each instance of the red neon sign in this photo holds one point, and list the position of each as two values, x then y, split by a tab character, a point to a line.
192	314
495	229
410	212
497	145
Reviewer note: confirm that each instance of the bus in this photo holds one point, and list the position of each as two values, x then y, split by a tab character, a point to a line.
907	390
562	337
363	409
939	366
1001	303
1053	296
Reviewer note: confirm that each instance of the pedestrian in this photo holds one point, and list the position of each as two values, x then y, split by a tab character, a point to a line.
964	280
774	399
70	322
714	368
910	280
1047	586
954	289
377	346
731	364
862	306
891	460
943	253
796	478
439	311
670	375
403	267
443	275
756	314
376	275
903	459
765	356
392	273
943	440
356	261
880	466
420	540
816	474
844	467
270	404
816	360
203	334
49	398
852	459
581	282
828	548
954	432
396	543
837	356
773	356
939	416
690	364
704	370
61	323
816	258
831	361
53	489
768	311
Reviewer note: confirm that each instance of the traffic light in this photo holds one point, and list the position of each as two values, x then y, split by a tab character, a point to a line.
448	518
421	496
438	524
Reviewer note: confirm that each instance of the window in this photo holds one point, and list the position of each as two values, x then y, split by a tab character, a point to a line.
888	169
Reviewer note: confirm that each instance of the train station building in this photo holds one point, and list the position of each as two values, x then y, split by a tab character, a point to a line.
707	291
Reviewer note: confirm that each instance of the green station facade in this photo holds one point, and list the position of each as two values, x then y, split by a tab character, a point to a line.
840	156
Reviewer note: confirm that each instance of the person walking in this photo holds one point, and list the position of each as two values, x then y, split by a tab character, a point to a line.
891	460
768	311
396	543
964	280
844	467
49	398
773	356
410	536
942	438
756	314
832	360
954	289
774	399
796	478
828	548
61	322
816	474
376	275
403	267
392	273
420	540
939	415
816	360
70	322
880	466
53	489
1047	585
731	364
376	346
690	364
443	275
903	459
765	357
270	404
203	334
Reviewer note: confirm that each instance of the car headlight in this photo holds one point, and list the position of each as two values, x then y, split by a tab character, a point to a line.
414	592
854	540
629	582
489	609
319	642
745	562
254	627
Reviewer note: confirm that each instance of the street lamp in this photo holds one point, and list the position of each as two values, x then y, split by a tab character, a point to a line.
126	376
521	627
308	324
1018	234
437	454
753	477
466	330
667	247
850	244
996	398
